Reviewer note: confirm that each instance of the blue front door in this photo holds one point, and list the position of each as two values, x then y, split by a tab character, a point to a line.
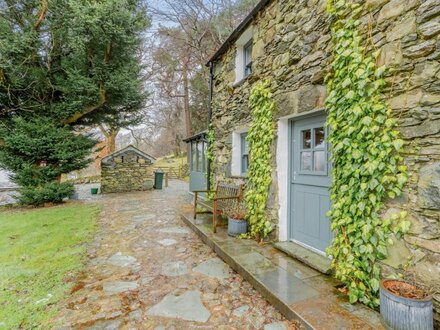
310	182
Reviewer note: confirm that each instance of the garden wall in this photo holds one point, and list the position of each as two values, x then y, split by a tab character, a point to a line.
292	48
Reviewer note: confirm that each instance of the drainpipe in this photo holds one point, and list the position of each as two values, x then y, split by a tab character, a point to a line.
211	83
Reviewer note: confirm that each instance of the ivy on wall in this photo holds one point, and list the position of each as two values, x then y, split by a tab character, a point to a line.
366	156
260	137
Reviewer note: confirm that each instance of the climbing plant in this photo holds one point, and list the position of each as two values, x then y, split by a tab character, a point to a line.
366	154
260	138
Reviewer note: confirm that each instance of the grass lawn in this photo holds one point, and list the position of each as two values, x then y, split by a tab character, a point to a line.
171	161
40	250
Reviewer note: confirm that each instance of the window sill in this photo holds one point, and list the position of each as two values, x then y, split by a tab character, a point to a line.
238	177
242	81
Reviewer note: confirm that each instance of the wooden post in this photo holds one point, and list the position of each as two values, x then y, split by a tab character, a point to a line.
166	179
195	205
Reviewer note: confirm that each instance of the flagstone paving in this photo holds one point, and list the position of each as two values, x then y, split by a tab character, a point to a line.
147	270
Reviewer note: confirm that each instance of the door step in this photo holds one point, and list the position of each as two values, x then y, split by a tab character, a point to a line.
310	258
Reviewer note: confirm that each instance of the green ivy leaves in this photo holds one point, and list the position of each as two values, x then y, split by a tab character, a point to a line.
366	156
260	137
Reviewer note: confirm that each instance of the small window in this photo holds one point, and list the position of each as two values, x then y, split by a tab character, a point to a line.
199	157
313	151
247	52
205	152
193	156
244	153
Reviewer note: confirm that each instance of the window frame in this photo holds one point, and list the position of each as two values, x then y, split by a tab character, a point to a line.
247	55
312	150
244	155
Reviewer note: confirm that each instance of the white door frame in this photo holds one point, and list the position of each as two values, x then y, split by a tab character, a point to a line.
283	170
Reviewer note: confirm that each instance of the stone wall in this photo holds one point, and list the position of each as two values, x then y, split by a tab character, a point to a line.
126	172
292	48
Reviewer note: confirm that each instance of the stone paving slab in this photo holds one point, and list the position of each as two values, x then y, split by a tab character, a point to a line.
147	270
187	306
296	290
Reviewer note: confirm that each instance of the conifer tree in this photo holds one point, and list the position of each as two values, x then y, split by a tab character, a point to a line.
64	65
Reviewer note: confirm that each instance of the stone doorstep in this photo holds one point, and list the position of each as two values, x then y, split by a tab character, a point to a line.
296	299
310	258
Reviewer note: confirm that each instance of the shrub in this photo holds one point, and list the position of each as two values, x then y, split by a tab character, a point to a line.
51	192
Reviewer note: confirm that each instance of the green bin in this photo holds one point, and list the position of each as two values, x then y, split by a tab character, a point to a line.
158	179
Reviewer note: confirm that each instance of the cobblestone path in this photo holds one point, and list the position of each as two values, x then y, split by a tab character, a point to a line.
147	270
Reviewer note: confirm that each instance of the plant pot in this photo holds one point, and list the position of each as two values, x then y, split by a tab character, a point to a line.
94	191
401	313
236	227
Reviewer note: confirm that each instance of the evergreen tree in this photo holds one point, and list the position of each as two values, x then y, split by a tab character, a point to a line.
64	65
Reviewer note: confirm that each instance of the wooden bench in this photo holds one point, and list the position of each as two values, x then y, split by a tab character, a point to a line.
224	196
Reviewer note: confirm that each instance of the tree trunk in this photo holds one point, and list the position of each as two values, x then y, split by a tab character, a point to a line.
186	100
110	140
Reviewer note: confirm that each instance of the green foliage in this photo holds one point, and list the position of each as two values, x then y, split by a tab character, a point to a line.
366	156
38	151
64	66
49	192
39	250
260	137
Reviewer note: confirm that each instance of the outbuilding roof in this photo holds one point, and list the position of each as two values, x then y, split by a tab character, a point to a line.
124	150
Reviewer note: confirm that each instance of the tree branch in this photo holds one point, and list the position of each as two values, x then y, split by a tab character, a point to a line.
42	14
78	115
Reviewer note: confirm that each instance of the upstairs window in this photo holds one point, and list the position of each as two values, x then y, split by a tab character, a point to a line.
243	59
247	50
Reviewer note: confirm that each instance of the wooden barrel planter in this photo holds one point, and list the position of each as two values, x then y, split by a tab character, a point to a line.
404	306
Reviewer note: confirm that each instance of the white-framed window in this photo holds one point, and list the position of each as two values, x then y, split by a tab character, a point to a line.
244	151
247	52
243	58
240	152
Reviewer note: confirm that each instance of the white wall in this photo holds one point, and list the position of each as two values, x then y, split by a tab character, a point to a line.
283	177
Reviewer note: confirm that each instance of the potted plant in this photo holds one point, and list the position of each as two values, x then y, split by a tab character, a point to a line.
237	223
405	306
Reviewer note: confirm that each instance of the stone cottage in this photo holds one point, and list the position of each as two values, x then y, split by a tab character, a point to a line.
128	169
289	43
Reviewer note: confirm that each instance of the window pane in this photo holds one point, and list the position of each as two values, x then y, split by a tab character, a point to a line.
244	164
248	58
199	156
193	156
319	161
205	161
248	53
306	139
244	144
306	161
319	137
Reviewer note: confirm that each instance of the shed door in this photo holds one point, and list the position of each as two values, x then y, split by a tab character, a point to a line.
310	182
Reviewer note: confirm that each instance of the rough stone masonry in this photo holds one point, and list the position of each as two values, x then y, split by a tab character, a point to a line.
292	48
126	170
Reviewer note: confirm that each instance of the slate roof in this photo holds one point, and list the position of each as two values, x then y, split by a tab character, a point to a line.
124	150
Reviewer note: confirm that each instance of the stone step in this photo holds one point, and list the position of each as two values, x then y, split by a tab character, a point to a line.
294	289
310	258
